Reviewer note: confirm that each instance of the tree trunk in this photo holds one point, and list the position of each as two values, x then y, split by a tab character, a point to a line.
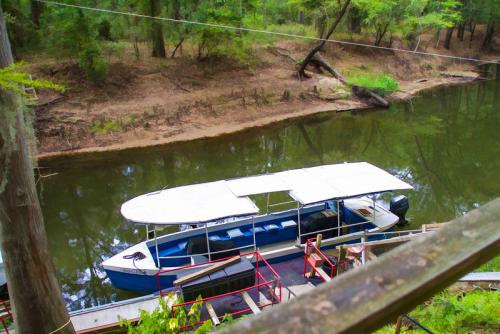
36	12
37	302
380	34
490	31
156	31
310	55
447	40
472	29
461	31
355	20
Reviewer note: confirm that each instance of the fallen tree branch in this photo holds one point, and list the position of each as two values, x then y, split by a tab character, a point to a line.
176	84
358	91
49	103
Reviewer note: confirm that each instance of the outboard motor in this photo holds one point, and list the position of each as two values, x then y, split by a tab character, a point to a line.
399	206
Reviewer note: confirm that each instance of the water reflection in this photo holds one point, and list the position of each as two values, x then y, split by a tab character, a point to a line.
444	143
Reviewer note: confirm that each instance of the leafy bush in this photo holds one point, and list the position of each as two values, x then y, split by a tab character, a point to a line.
160	321
93	63
382	84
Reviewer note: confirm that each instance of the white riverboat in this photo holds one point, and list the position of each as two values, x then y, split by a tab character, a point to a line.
219	219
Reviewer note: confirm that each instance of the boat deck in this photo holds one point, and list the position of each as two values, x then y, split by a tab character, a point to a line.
107	317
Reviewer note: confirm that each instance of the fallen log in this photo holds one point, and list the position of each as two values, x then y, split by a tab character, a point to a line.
358	91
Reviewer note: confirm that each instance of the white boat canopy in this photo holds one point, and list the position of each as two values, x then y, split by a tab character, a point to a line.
211	201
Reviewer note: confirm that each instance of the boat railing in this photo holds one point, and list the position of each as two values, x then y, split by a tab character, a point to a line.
311	248
254	246
207	253
272	285
333	228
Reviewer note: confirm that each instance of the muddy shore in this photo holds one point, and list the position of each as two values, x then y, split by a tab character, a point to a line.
266	117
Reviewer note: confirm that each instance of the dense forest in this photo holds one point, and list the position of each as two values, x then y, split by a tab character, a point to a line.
92	38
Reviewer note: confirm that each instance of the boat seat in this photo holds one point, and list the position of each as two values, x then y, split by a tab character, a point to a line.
258	230
235	233
272	228
288	224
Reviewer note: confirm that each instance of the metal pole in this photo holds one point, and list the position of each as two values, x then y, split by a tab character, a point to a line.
147	232
298	220
338	217
253	229
156	246
363	250
208	242
373	198
267	205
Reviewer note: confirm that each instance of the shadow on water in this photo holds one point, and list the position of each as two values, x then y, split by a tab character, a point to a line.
445	143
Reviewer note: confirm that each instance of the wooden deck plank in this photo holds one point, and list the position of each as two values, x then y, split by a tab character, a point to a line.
255	309
109	317
213	315
481	277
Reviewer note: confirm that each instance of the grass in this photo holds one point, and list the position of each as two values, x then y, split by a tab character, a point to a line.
105	126
381	83
493	265
474	312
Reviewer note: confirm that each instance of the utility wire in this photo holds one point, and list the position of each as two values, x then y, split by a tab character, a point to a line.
223	26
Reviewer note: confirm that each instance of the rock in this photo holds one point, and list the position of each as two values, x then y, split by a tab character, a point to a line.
331	89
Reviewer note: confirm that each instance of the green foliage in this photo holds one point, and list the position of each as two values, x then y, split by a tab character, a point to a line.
493	265
411	17
161	321
456	313
11	78
106	126
93	63
382	84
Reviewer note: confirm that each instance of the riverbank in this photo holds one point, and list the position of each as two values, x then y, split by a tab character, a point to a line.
156	102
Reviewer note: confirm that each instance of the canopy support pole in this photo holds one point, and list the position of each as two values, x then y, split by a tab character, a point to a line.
338	217
156	246
373	198
267	205
253	229
208	242
298	222
147	232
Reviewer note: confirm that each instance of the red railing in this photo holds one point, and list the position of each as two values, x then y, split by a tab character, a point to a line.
260	281
310	248
6	308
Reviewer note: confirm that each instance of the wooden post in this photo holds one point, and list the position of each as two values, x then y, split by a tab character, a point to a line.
398	325
369	297
342	254
319	239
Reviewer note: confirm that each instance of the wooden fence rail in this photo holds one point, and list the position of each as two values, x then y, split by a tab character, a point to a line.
368	297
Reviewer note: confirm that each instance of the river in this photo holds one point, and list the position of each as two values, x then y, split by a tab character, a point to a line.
445	143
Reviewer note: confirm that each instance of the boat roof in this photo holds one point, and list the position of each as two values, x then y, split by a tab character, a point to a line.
205	202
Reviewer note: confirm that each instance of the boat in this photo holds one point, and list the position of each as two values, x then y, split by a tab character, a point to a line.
219	219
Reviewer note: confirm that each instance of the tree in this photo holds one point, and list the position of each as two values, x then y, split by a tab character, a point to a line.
37	303
341	10
156	31
36	12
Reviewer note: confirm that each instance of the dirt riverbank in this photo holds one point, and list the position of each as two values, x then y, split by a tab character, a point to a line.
155	102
